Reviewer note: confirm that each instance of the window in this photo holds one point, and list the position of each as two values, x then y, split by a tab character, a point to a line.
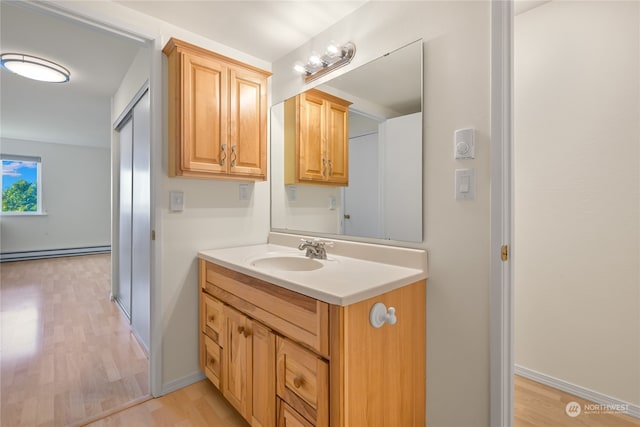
21	185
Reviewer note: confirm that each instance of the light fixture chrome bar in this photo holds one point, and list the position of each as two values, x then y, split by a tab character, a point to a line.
329	63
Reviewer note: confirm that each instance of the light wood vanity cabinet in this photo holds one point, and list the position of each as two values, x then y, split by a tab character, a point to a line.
217	115
317	139
286	359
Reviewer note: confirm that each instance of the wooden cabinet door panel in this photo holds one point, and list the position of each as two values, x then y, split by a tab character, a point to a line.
237	374
337	144
311	159
247	147
264	376
204	142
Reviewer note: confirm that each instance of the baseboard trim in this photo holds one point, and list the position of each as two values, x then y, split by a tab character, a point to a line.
53	253
576	390
182	382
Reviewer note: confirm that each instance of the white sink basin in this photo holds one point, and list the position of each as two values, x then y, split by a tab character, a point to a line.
287	263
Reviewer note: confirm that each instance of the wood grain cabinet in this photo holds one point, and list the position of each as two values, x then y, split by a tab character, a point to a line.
286	359
217	115
317	139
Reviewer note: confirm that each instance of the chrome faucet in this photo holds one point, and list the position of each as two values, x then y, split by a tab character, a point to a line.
315	249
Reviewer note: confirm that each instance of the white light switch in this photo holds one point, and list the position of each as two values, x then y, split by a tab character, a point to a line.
465	184
244	192
176	201
292	193
464	144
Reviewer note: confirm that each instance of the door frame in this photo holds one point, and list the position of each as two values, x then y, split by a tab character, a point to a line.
501	280
101	17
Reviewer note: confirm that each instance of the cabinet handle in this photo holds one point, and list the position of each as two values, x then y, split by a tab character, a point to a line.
241	330
244	331
324	167
234	155
330	167
223	154
298	381
211	318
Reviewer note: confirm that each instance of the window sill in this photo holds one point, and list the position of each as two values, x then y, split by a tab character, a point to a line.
23	214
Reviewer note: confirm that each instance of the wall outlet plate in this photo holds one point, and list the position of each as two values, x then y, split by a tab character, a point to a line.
176	201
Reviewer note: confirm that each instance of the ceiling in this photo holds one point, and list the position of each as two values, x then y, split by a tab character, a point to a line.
78	112
266	29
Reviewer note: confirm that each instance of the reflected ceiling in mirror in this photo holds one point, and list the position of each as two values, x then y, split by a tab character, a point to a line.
383	199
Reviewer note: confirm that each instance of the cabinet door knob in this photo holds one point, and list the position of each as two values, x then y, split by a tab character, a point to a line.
298	381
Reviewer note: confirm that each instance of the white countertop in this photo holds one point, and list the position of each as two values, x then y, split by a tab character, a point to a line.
342	280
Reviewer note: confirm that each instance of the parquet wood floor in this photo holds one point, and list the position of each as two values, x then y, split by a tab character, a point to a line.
67	352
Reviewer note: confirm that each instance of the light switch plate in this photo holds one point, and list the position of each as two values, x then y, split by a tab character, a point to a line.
244	192
176	201
465	184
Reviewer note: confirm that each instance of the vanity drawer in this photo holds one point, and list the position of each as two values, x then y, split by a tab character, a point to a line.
288	417
302	318
211	317
212	360
302	380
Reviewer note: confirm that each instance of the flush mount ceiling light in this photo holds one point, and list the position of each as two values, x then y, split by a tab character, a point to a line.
34	68
333	58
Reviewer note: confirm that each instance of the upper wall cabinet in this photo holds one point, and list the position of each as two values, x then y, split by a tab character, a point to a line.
317	139
217	115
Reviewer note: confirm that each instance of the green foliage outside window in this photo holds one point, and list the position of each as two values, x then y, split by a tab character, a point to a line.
21	196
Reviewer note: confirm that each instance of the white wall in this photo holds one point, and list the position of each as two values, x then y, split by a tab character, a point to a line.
577	194
75	196
456	94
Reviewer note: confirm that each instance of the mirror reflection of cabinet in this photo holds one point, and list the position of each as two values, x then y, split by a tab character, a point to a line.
317	139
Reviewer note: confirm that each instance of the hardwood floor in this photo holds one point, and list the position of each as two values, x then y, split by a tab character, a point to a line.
68	354
198	405
537	405
201	404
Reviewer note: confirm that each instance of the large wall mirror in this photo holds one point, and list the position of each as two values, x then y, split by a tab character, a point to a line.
383	155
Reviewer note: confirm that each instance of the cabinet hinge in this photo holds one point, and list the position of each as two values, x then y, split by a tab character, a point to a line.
504	252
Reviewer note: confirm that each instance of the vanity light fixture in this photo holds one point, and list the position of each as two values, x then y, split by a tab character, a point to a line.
333	58
34	68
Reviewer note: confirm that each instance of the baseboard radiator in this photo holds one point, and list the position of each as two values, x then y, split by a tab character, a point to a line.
605	401
53	253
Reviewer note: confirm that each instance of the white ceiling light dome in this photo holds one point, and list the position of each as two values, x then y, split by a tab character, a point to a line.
34	68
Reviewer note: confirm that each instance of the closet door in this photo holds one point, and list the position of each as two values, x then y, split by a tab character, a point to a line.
141	223
122	293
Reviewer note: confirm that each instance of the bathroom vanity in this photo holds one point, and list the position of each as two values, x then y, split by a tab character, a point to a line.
294	341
